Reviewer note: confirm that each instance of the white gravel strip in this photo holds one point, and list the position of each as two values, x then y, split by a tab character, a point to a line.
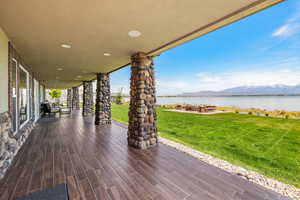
284	189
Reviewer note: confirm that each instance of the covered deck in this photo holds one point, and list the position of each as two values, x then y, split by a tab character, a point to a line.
97	163
66	44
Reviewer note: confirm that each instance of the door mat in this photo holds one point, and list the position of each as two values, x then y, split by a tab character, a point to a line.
58	192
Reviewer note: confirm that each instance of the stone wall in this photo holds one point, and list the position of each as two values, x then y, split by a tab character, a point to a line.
142	131
103	100
75	98
87	106
9	143
69	98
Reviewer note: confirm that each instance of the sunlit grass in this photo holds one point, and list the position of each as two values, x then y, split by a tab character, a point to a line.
270	146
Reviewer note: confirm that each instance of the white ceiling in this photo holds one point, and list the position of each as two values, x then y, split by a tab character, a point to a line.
37	28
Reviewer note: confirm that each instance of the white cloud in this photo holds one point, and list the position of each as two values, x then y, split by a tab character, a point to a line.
278	71
226	80
116	88
291	27
167	87
287	30
283	74
172	84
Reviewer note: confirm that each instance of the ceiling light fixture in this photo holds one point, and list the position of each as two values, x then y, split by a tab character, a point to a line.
107	54
66	46
60	69
79	76
134	33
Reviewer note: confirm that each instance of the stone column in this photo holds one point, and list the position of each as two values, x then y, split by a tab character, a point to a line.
142	131
87	106
69	98
75	99
103	100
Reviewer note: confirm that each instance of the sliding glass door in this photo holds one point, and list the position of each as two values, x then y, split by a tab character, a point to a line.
23	96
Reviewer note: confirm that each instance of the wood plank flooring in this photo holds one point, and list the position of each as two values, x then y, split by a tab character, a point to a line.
97	164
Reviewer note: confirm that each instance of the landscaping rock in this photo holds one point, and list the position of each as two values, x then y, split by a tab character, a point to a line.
282	188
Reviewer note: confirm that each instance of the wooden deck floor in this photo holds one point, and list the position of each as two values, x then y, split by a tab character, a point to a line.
96	163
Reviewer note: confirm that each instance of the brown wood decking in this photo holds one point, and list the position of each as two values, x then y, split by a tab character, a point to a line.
96	163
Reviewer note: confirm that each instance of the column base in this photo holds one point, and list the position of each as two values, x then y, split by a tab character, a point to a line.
144	144
108	122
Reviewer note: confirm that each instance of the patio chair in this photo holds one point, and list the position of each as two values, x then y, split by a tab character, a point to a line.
47	109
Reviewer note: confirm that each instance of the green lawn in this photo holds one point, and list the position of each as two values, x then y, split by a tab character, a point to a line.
270	146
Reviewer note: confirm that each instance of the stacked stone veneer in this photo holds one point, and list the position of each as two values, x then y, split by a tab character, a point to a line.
69	98
103	100
87	106
142	131
9	143
75	98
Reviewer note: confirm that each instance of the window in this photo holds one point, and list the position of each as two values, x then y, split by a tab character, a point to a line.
23	96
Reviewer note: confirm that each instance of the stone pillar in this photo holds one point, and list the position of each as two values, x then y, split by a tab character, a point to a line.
69	98
75	99
142	131
103	100
87	106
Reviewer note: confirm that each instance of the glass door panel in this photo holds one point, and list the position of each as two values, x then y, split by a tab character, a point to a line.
23	96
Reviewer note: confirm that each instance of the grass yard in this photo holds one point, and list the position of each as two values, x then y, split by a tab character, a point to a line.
270	146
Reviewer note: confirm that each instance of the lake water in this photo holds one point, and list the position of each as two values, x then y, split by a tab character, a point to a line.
288	103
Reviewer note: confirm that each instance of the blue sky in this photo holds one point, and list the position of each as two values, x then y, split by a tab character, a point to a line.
263	49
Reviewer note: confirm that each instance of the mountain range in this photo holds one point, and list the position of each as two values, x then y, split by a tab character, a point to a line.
249	90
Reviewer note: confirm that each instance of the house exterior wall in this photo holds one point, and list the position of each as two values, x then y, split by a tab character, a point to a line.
11	141
3	72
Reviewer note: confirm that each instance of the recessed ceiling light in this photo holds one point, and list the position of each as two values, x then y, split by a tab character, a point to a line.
60	69
79	76
66	46
107	54
134	33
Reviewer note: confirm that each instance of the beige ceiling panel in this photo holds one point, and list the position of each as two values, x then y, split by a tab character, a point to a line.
93	27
